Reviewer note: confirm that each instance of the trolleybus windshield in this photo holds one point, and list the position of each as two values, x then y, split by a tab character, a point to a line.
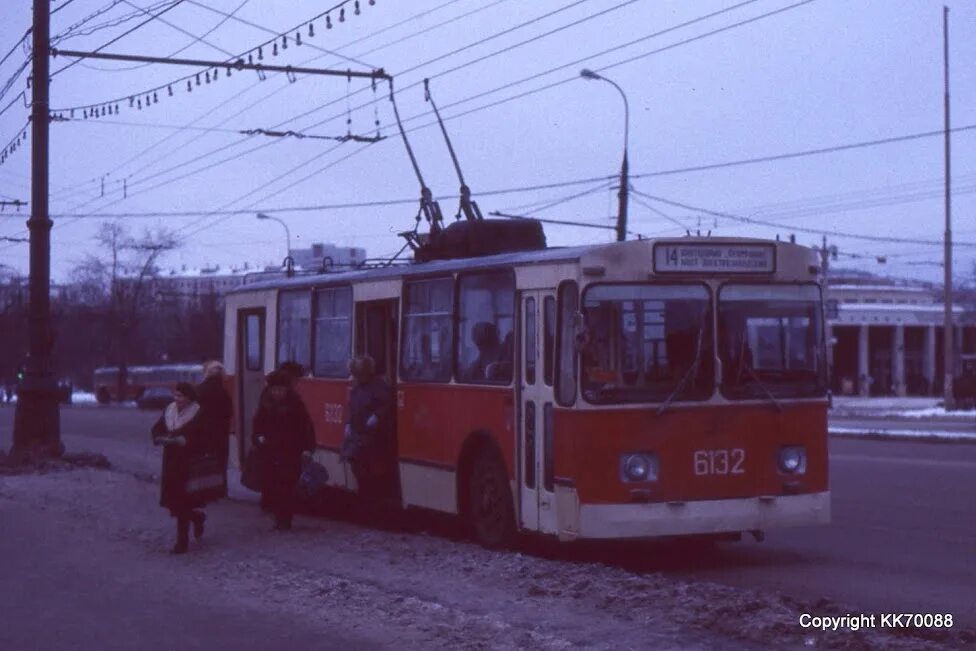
770	341
640	341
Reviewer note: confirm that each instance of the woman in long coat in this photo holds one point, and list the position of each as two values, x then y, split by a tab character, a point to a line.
178	431
284	434
215	413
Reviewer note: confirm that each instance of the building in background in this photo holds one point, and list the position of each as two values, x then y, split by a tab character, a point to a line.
328	256
886	335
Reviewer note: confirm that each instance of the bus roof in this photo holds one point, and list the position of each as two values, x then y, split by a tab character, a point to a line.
521	258
555	254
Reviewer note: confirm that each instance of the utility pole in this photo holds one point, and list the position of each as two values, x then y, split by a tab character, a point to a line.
947	326
37	421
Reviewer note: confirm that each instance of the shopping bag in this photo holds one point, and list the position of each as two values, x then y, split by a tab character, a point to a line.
253	471
205	478
314	478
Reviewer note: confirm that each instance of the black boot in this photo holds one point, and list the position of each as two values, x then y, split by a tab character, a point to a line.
199	517
182	536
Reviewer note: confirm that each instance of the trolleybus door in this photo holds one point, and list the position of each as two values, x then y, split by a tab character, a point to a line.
250	372
537	504
376	336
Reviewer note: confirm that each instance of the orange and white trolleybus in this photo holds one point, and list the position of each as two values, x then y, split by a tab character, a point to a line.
619	391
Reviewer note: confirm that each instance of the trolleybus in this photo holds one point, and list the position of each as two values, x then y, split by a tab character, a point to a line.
629	390
140	378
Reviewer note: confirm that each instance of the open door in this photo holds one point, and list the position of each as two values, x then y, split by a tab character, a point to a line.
537	504
376	336
250	372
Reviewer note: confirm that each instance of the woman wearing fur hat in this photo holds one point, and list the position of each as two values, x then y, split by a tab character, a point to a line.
283	432
178	431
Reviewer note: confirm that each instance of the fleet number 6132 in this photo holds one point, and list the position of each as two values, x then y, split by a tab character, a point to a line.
719	462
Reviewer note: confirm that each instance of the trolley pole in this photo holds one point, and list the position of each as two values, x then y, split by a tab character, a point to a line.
947	326
37	421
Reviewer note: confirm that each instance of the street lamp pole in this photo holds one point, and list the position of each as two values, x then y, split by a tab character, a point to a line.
261	215
622	195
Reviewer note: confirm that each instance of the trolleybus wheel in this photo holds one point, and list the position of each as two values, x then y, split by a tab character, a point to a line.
103	396
490	502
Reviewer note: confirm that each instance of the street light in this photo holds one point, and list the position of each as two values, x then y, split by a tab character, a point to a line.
261	215
586	73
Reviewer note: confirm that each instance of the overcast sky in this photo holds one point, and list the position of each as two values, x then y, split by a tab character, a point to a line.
703	89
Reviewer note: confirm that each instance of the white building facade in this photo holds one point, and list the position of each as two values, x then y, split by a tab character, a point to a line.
886	338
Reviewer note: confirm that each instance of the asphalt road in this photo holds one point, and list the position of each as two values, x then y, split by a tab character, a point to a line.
903	536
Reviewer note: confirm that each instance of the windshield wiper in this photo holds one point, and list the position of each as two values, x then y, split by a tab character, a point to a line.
762	385
692	372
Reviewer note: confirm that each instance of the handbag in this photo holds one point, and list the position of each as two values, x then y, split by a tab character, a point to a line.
252	475
314	478
205	478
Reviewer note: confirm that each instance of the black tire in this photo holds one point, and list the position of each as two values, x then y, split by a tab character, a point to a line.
103	396
490	510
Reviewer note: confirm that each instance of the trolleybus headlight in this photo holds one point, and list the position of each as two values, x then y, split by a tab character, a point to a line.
642	466
793	459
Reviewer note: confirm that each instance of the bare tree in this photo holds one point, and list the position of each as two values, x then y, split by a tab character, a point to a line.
119	279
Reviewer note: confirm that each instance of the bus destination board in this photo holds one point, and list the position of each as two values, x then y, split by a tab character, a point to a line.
704	257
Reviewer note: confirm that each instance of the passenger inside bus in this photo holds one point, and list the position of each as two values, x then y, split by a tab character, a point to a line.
494	360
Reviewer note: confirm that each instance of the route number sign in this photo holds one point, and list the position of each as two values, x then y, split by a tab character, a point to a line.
705	257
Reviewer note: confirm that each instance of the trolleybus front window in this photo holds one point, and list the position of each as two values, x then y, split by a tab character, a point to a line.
770	340
639	343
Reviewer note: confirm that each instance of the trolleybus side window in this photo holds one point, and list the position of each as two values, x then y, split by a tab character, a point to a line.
333	332
566	360
771	341
644	342
486	322
428	330
294	327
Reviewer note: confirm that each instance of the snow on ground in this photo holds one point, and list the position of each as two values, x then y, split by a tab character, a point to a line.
933	412
903	433
404	588
910	407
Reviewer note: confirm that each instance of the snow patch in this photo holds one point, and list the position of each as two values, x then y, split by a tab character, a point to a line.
903	433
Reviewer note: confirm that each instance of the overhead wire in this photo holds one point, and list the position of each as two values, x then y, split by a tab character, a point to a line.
440	57
174	82
151	18
210	166
693	39
268	30
428	62
267	96
801	229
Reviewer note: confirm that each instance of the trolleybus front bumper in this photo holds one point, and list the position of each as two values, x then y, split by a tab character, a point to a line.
650	520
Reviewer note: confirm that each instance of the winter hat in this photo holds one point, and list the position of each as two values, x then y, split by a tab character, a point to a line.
187	390
278	379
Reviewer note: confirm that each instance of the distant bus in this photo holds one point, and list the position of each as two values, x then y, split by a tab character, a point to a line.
628	390
140	378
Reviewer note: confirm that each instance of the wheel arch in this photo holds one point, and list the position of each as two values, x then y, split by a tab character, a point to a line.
475	444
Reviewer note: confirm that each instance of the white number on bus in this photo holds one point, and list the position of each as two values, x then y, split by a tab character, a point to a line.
719	462
333	412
